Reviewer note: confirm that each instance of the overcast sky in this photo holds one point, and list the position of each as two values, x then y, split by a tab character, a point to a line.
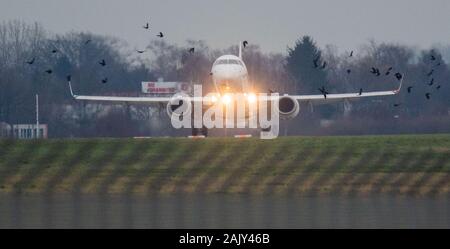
271	24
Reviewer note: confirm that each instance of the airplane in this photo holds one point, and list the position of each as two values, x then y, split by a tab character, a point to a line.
229	75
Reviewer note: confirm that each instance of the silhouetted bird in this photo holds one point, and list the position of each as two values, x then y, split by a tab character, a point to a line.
431	82
316	62
324	65
191	50
428	95
324	92
104	80
433	58
102	62
437	65
31	61
397	105
349	71
351	54
146	26
388	71
54	51
438	87
245	43
140	51
431	72
409	89
360	91
375	71
69	77
49	71
161	35
399	76
87	42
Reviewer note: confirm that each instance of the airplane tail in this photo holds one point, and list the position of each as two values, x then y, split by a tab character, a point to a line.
240	50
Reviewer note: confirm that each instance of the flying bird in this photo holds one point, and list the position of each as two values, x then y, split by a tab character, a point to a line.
146	26
428	95
397	105
375	71
360	91
102	62
105	80
316	62
245	43
349	71
191	50
351	54
69	77
324	92
54	51
388	71
431	82
161	35
31	61
409	89
438	87
49	71
433	58
324	65
399	76
87	42
140	51
430	73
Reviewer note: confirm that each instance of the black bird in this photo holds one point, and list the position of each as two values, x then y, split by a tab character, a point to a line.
54	51
161	35
324	65
399	76
397	105
428	95
146	26
430	73
49	71
140	51
360	91
437	65
69	77
31	61
324	92
102	62
105	80
87	42
375	71
409	89
433	58
388	71
245	43
431	82
438	87
349	71
316	62
191	50
351	54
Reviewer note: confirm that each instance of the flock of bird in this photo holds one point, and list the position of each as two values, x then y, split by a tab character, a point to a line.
376	71
102	62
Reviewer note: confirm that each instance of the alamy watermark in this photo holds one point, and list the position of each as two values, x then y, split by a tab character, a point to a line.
230	110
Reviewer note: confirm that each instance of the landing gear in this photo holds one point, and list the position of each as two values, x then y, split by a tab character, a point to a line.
200	131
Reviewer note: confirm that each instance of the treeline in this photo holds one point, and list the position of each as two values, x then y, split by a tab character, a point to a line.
78	54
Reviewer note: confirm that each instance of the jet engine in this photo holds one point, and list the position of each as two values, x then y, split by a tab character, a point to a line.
288	107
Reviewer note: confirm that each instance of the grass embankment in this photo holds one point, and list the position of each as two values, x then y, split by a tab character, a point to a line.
411	165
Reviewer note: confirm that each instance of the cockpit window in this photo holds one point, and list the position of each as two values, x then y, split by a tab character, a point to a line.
221	62
236	62
228	61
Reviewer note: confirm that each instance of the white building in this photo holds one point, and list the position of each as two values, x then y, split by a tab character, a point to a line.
28	131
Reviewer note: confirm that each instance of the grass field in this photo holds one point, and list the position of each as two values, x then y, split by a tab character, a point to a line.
400	165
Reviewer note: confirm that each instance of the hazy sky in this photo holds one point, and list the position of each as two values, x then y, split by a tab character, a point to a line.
271	24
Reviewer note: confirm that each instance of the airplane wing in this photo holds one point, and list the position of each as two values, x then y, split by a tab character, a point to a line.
321	99
135	100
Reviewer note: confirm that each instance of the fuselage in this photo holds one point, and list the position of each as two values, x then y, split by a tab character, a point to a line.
229	74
